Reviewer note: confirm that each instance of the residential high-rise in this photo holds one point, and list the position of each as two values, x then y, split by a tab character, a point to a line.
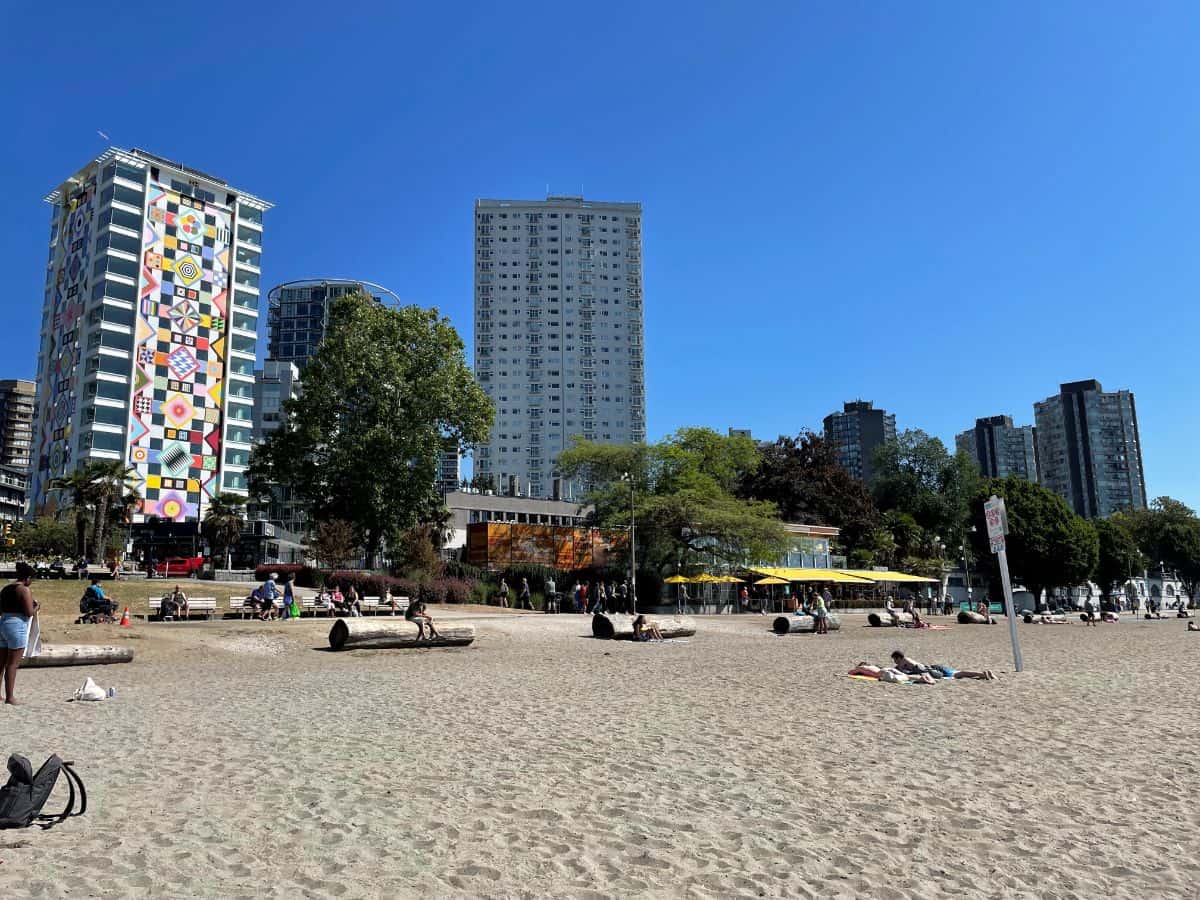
274	384
449	469
1089	451
148	331
558	333
298	314
855	432
1001	448
17	399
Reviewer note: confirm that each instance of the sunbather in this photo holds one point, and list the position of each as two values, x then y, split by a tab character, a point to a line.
644	630
912	667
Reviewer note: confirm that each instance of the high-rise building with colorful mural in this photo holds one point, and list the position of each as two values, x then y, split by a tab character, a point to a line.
148	334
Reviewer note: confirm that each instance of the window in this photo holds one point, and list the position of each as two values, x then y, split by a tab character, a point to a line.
245	322
117	315
246	277
242	344
119	340
128	195
120	291
239	435
114	365
250	214
237	457
249	257
245	300
103	440
249	235
110	390
124	218
108	415
235	481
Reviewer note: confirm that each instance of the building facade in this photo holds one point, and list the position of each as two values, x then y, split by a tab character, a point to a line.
855	432
1089	451
17	404
1001	448
449	469
558	333
274	384
298	314
14	483
148	331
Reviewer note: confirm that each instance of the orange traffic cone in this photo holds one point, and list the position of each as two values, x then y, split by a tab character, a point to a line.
125	623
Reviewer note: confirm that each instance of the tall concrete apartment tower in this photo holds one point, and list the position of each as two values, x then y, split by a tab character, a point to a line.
1001	448
1089	451
17	398
558	333
148	331
855	432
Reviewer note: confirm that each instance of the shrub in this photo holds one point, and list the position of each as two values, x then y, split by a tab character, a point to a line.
306	576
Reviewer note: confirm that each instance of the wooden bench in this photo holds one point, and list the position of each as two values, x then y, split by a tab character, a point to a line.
374	604
244	606
206	605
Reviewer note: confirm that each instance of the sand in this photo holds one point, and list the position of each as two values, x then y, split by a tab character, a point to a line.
240	760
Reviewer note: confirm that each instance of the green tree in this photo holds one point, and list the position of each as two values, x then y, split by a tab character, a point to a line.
45	536
801	476
1168	533
76	487
682	490
1119	557
223	523
382	395
333	543
1048	545
109	483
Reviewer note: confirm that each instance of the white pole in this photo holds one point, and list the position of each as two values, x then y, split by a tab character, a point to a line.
1002	558
632	550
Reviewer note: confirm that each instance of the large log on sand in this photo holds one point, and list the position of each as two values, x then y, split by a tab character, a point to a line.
620	627
801	624
966	617
875	620
381	633
83	655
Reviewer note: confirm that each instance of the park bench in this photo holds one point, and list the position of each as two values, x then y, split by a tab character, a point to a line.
374	604
205	605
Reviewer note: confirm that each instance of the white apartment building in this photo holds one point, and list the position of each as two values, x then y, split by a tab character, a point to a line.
558	333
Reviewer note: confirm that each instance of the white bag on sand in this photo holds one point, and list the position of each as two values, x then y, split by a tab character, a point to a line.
90	691
33	646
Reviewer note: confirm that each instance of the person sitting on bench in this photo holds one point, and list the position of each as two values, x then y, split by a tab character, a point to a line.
173	605
417	615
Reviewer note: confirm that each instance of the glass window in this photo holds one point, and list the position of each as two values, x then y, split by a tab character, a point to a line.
235	481
245	276
241	366
119	340
114	365
117	314
119	241
240	413
126	267
129	195
106	195
125	219
103	440
246	323
112	390
109	415
239	434
242	344
250	214
249	256
130	173
237	457
240	389
249	235
120	291
244	300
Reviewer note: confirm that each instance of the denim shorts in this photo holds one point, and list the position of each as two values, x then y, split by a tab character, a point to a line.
14	631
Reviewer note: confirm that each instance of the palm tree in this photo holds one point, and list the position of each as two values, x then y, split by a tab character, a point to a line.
109	483
78	485
223	523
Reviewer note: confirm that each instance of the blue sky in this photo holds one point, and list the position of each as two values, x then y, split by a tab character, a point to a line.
948	208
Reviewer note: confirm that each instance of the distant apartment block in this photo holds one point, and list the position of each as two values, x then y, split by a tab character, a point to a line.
558	333
1001	448
1089	452
17	399
856	432
449	469
149	326
298	314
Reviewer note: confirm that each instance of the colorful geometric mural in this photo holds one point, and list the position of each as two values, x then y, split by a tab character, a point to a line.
57	385
179	353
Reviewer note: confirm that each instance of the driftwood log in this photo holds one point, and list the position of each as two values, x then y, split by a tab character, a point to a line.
801	624
382	633
1054	619
620	627
966	617
875	620
80	655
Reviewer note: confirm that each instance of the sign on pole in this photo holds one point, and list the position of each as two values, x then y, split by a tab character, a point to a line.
997	526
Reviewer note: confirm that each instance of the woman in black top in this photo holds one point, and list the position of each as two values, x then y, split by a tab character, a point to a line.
17	607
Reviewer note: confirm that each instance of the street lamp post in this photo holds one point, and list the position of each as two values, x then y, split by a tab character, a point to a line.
632	546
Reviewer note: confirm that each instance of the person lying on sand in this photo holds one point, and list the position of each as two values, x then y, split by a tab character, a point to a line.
1192	626
890	675
645	631
912	667
417	615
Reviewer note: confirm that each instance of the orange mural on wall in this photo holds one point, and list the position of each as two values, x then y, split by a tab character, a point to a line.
496	545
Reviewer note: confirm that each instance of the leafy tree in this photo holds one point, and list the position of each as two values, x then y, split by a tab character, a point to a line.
44	536
915	474
1048	545
333	543
416	553
1169	534
1119	557
223	523
382	394
682	490
109	483
801	476
77	487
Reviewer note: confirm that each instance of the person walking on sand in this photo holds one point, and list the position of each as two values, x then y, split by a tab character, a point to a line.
524	601
821	616
17	609
503	593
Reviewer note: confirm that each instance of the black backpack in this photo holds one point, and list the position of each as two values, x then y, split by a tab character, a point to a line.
22	798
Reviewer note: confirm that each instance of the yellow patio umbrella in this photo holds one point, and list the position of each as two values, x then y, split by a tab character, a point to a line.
730	579
677	579
770	579
705	578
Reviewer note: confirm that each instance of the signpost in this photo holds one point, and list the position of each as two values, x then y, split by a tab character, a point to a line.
996	517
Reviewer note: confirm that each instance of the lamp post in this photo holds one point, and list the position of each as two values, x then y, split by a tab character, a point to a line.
632	545
967	566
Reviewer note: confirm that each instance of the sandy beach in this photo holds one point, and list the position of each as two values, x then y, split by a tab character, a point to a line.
242	760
